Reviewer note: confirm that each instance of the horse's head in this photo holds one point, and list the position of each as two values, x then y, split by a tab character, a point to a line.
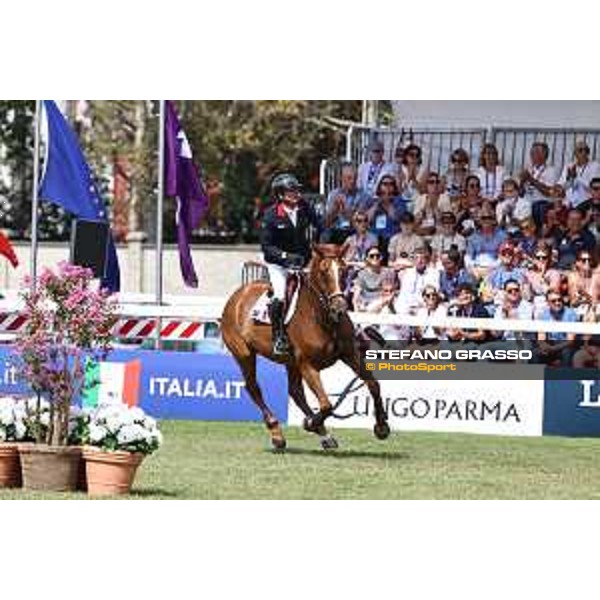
326	271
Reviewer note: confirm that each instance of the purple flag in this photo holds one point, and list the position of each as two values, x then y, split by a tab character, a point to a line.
183	183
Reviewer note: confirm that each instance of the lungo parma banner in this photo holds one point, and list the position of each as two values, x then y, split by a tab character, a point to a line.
487	407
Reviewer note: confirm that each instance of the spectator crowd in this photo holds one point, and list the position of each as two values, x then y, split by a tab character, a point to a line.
473	241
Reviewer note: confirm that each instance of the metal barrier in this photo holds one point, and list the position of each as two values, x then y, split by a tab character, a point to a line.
436	144
513	145
253	270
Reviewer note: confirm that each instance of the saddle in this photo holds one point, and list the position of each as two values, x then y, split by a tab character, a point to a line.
260	310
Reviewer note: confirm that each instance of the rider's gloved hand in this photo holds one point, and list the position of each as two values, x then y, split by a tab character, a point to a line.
295	261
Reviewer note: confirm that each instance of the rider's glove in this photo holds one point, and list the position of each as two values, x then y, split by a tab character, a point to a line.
295	261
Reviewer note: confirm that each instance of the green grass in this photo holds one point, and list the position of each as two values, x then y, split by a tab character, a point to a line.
233	460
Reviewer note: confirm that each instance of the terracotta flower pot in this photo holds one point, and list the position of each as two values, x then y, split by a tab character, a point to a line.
50	468
10	465
110	473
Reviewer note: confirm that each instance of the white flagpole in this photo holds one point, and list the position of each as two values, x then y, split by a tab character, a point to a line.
160	203
35	199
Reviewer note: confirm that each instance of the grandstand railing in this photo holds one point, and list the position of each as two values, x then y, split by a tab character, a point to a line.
513	145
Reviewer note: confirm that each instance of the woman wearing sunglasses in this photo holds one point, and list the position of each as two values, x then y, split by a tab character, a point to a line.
490	172
542	278
369	281
432	308
580	280
387	209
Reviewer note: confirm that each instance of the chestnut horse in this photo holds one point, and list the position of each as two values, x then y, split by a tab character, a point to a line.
320	333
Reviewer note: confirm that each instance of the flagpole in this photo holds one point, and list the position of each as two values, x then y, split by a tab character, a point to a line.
160	203
36	184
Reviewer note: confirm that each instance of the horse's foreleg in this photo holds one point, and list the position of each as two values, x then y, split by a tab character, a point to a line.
313	379
381	428
296	391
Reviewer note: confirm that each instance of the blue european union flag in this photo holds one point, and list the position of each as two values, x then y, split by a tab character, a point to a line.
67	181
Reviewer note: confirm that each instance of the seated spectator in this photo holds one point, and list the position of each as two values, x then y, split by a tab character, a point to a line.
412	173
507	270
588	356
594	224
577	176
537	181
556	347
446	237
342	203
386	303
541	277
385	213
552	230
592	203
456	175
490	173
483	245
580	281
577	237
370	172
453	274
402	246
432	307
525	238
513	306
369	281
467	304
469	206
354	248
511	207
414	279
428	206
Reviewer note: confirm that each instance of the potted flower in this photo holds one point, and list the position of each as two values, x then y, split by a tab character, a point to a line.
12	430
118	438
67	324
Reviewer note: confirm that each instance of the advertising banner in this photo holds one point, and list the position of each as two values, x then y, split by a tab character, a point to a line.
502	407
172	385
572	407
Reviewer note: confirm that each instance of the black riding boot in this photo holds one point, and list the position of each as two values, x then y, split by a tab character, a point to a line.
280	342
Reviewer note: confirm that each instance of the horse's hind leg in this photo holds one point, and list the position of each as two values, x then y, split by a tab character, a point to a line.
247	362
296	391
381	428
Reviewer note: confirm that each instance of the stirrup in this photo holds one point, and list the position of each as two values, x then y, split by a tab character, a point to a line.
281	346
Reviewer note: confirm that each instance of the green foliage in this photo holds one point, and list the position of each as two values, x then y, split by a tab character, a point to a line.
239	145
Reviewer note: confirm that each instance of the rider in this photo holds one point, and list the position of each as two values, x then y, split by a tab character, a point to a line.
286	245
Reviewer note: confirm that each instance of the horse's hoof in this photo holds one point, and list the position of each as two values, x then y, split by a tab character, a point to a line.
278	444
381	430
309	425
328	442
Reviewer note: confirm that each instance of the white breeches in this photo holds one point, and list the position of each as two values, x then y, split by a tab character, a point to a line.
278	278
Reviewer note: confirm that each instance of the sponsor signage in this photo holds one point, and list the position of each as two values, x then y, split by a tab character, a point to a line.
488	407
572	406
173	385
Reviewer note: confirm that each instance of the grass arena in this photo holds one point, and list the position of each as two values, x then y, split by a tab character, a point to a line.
212	460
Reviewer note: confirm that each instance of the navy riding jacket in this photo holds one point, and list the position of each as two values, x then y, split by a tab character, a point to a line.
279	235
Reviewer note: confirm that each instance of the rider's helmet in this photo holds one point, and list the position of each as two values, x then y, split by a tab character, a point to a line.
282	183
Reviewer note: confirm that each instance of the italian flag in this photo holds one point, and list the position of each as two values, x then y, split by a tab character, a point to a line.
111	383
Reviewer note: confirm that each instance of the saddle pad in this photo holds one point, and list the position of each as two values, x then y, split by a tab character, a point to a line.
260	310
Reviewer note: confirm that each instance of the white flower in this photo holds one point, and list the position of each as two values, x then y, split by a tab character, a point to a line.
97	433
20	430
7	415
